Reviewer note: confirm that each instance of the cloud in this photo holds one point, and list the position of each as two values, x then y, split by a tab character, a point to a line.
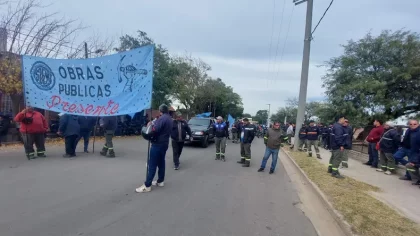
234	36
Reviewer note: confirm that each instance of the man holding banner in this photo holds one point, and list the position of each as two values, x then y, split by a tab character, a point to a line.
162	129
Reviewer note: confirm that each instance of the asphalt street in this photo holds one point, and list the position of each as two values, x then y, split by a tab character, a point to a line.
93	195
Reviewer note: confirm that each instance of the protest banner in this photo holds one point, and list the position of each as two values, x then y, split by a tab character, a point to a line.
112	85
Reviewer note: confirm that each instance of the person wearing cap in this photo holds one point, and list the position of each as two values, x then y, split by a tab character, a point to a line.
109	124
70	129
33	127
388	145
162	129
312	133
246	137
220	132
180	129
348	143
337	146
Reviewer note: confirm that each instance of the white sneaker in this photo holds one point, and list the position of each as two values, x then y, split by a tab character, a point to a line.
388	172
379	170
158	184
143	189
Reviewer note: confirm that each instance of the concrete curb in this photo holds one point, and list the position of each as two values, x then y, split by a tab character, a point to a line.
336	215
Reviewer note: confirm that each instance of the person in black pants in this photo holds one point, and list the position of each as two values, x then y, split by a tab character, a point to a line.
86	126
180	129
70	129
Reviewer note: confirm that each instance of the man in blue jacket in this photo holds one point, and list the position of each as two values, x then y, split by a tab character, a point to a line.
388	145
162	129
337	140
414	158
220	132
312	133
86	125
70	129
109	124
180	129
348	143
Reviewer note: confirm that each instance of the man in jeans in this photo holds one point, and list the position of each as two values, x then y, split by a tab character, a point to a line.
405	149
272	141
86	126
373	138
162	129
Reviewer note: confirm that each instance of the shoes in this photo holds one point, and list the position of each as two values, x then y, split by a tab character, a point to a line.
155	183
374	167
318	156
246	164
329	169
405	178
344	164
416	183
388	172
379	170
176	167
143	189
261	170
242	161
271	172
223	159
337	175
86	151
217	158
367	163
68	155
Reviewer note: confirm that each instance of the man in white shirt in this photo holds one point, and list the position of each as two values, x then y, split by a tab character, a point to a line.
290	132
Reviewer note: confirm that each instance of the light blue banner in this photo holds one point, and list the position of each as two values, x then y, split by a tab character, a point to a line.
231	120
104	86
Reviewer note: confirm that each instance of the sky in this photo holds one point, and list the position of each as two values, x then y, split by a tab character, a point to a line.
234	36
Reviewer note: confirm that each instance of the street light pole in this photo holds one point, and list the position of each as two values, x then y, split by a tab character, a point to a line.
268	115
305	68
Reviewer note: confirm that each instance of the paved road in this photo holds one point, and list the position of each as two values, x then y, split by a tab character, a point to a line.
92	195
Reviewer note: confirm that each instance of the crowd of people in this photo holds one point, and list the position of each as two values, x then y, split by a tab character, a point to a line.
387	148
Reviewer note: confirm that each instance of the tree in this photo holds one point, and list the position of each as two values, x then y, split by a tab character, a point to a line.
376	76
287	113
191	74
163	71
246	115
30	34
214	96
261	116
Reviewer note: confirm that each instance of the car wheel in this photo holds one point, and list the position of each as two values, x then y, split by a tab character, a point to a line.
205	142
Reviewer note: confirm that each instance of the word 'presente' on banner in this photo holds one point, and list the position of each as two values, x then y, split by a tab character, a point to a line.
104	86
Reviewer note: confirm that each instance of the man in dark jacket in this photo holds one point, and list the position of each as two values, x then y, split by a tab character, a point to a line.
388	145
70	129
414	158
180	129
302	139
337	139
312	133
348	143
162	129
86	125
272	140
220	132
234	132
4	127
374	136
247	136
109	125
405	149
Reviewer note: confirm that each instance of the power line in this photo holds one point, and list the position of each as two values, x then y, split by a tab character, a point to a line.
278	39
272	34
285	41
319	22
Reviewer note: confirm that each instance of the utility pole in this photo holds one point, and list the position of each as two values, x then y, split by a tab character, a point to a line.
268	115
305	68
86	51
3	40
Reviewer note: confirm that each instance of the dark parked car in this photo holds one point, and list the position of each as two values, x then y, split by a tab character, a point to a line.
201	130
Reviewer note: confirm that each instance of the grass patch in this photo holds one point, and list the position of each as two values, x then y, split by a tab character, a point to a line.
366	215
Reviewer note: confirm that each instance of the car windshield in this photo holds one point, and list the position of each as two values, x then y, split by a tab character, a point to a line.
200	122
